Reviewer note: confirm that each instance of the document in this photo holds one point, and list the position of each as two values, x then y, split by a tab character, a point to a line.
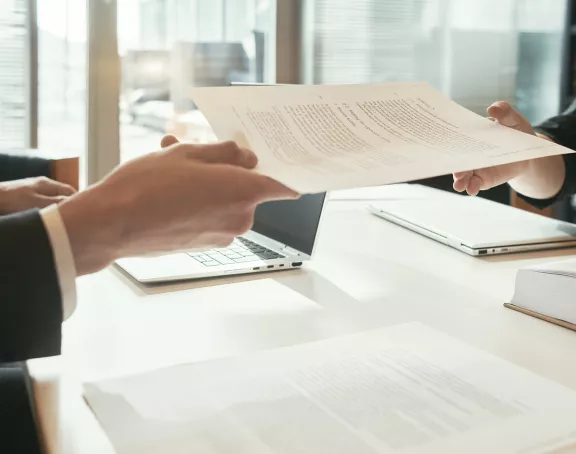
328	137
403	389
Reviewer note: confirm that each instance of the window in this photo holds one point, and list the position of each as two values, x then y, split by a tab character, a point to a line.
475	51
13	87
62	34
168	46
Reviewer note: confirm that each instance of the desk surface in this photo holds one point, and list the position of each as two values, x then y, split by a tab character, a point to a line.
367	273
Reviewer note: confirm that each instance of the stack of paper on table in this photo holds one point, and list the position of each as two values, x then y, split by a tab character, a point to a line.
548	292
319	138
403	389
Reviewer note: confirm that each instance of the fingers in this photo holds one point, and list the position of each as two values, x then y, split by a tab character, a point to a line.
461	185
504	114
472	182
475	185
461	180
48	187
168	140
42	201
223	153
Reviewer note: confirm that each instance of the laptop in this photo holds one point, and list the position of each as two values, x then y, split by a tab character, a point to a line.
283	237
473	225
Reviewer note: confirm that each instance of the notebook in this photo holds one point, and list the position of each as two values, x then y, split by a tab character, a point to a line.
547	292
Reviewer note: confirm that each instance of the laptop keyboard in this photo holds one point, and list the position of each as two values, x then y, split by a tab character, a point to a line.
241	251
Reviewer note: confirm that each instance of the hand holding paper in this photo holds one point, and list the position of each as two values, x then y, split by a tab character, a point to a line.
318	138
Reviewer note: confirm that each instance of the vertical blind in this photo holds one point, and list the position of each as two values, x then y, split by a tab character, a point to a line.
13	19
475	51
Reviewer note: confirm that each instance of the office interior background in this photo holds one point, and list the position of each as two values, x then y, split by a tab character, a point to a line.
105	80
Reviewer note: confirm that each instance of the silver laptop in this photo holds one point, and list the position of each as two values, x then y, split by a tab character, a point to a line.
283	237
474	225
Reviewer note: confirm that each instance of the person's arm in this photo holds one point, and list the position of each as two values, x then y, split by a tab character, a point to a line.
555	177
30	300
561	128
541	182
180	198
35	270
547	181
29	193
16	167
63	258
541	178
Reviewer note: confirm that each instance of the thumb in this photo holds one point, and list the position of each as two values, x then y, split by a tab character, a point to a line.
506	115
270	190
168	140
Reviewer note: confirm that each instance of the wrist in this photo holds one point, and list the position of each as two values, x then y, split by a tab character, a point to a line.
542	179
521	168
91	222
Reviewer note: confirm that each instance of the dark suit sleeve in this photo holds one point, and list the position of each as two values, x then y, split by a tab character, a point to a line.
30	300
18	421
561	129
30	323
14	167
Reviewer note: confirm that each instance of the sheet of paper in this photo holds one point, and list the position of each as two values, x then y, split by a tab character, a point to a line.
317	138
388	192
403	389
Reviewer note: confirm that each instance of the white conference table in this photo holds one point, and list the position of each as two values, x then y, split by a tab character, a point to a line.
367	273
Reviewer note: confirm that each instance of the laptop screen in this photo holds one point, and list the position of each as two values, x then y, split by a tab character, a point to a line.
291	222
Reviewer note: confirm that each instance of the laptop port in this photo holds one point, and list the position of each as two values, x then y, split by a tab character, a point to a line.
256	269
483	252
297	264
281	265
270	267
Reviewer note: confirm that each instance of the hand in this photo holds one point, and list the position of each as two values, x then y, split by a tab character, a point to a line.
478	180
180	198
21	195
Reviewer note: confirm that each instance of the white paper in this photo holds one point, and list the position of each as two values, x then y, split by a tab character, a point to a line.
404	389
317	138
562	267
386	193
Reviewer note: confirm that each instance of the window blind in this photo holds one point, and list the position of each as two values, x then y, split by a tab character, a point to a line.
13	73
475	51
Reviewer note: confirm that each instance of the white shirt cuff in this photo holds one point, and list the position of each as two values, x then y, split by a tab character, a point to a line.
63	257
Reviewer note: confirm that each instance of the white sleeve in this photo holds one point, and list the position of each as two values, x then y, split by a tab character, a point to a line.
63	257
